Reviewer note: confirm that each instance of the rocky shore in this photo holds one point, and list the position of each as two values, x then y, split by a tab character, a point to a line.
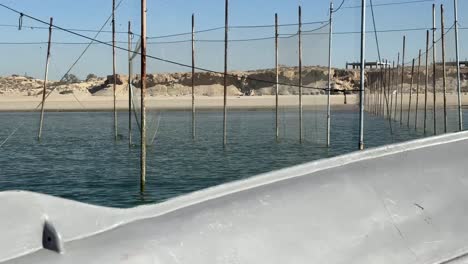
252	83
259	82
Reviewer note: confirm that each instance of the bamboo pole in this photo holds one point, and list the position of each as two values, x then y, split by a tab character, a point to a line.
402	79
362	77
330	42
457	55
300	76
410	92
434	110
426	83
114	70
193	77
226	24
129	83
277	79
417	91
46	75
444	72
143	94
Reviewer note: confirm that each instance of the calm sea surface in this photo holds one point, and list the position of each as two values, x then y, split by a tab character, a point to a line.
79	159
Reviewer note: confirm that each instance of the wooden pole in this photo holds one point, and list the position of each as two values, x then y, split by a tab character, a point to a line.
300	75
46	75
426	82
113	70
130	83
193	77
457	55
402	79
362	77
277	79
410	92
226	25
434	112
444	73
143	94
330	42
417	91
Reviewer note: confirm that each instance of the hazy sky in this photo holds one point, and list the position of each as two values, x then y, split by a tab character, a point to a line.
174	16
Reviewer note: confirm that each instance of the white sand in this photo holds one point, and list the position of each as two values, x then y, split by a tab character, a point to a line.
103	103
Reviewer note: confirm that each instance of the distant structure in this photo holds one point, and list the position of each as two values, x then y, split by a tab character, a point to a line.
357	65
462	63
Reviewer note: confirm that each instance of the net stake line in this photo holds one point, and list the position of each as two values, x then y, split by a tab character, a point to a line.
113	71
402	79
277	79
46	75
434	42
444	73
300	75
143	94
330	46
410	92
193	76
362	77
130	99
417	91
457	55
226	27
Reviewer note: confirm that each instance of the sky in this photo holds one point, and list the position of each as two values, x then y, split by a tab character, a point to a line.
167	17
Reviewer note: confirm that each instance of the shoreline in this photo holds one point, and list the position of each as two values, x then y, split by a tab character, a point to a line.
68	103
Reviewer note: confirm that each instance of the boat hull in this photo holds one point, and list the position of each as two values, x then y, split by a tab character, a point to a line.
404	203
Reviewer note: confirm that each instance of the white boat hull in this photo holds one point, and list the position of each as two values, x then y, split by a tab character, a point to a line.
405	203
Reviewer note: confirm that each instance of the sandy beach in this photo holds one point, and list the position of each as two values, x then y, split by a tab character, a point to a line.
105	103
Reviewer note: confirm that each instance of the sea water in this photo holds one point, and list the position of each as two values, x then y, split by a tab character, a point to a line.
78	157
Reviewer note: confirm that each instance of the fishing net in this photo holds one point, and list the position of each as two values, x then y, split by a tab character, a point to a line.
314	39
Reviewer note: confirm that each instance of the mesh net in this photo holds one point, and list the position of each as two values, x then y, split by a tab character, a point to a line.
421	97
